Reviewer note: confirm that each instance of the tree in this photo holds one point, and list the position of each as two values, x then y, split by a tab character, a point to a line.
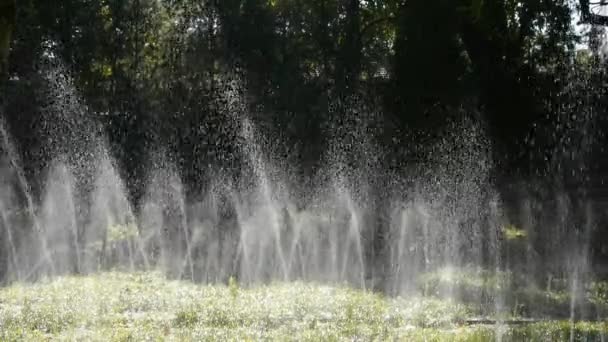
429	65
8	13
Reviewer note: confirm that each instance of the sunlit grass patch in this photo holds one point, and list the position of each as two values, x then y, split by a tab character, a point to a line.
146	306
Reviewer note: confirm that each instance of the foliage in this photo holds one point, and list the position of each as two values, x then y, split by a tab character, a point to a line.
511	232
154	68
155	73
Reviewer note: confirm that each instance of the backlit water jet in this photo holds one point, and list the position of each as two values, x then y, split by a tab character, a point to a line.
441	230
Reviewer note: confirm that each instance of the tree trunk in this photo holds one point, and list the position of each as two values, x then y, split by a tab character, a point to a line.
507	89
8	11
349	64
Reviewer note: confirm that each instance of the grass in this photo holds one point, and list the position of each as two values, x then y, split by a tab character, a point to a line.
480	288
146	306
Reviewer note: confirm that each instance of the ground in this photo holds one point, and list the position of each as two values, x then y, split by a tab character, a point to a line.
146	306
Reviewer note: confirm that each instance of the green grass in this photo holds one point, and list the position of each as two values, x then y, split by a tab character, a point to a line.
519	300
146	306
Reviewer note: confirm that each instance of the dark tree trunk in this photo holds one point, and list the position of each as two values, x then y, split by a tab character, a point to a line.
507	90
8	12
349	61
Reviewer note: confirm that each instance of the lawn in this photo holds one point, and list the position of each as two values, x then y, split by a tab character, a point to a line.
118	306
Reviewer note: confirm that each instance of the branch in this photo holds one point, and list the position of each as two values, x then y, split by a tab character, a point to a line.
591	18
375	22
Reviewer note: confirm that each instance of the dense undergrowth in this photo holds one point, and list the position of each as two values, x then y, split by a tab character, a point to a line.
145	306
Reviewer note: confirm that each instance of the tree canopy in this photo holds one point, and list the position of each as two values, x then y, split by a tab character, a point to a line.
156	71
